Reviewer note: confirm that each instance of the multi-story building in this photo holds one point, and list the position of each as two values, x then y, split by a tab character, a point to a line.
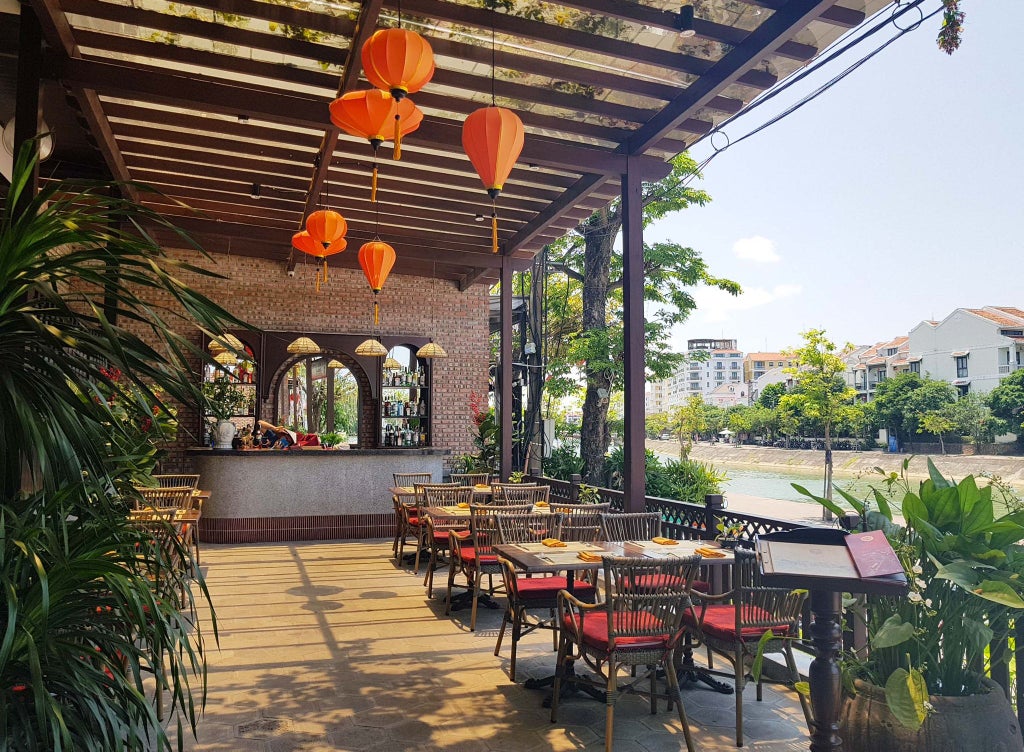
868	366
728	395
654	398
756	365
711	363
972	348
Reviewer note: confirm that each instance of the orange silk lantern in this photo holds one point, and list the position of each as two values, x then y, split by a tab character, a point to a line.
398	60
323	237
376	258
492	138
401	62
369	114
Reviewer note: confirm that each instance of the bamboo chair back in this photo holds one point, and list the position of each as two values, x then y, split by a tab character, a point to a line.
411	480
471	479
517	493
174	498
581	522
176	481
627	526
528	528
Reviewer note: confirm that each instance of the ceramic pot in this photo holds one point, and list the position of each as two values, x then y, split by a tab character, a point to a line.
975	723
223	433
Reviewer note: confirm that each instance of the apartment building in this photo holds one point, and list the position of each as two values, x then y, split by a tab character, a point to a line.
972	348
757	364
711	363
869	365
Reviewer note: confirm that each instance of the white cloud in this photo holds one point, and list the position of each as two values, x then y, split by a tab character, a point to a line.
757	249
716	305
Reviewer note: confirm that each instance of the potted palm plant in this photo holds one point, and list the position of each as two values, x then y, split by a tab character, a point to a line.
85	359
920	683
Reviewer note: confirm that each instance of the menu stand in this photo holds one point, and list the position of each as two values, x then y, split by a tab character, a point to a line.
828	562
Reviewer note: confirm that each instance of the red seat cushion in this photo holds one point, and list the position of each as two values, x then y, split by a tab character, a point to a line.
595	630
414	520
546	588
720	623
469	556
700	586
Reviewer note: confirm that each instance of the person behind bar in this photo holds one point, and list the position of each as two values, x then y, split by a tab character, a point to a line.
276	437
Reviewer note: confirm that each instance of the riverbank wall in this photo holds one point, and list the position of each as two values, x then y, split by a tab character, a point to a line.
847	464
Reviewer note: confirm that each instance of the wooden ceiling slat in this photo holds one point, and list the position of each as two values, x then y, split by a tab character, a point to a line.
526	28
209	30
729	69
306	112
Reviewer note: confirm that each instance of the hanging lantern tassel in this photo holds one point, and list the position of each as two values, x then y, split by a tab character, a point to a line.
494	228
398	136
373	182
376	310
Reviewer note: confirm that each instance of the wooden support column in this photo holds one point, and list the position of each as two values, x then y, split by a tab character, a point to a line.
504	375
635	461
26	106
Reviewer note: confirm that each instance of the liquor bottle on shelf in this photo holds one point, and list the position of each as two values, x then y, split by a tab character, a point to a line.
421	409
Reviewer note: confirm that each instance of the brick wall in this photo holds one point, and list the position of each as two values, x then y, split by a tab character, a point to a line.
259	291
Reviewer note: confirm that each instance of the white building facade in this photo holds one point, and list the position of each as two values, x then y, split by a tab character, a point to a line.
972	348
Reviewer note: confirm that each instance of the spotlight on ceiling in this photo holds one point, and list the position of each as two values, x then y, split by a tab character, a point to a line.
685	21
255	192
479	218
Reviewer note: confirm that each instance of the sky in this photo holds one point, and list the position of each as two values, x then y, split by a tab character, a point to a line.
896	196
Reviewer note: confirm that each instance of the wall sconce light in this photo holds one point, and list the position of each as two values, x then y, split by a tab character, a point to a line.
685	21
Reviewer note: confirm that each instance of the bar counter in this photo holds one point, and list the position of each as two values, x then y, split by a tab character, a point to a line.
303	494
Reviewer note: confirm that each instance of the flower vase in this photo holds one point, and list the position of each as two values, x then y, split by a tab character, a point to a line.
223	433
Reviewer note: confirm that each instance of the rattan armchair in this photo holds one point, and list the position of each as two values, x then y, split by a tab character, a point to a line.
732	624
174	497
519	493
635	626
176	481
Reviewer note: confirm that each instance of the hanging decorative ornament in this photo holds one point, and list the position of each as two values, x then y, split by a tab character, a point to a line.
304	346
400	62
225	358
407	119
368	114
376	258
492	138
322	237
371	348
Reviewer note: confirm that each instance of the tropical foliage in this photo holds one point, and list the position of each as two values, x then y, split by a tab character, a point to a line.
962	556
584	304
97	330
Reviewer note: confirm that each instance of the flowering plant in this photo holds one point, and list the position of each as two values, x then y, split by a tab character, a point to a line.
961	555
140	421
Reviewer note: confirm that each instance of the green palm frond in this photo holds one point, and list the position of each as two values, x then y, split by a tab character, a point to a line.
84	287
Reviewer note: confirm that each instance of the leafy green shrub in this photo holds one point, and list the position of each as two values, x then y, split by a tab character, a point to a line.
564	461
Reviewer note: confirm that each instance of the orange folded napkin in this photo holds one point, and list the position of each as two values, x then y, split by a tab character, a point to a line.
710	553
664	541
587	556
482	486
553	543
463	505
542	504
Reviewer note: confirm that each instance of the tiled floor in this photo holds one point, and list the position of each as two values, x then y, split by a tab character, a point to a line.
330	646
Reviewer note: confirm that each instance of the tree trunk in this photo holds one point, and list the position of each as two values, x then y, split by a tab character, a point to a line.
601	229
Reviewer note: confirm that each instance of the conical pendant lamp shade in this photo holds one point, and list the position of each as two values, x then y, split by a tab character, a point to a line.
371	348
335	364
431	350
392	365
224	342
304	346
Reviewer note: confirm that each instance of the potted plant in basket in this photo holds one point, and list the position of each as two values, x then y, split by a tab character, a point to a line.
222	400
920	685
728	533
